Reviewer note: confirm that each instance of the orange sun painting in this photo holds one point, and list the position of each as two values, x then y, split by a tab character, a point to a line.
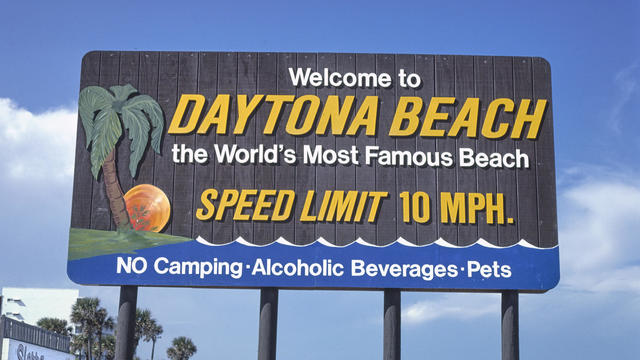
148	207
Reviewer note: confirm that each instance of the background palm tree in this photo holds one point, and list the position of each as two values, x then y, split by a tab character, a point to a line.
152	333
109	347
103	113
78	345
58	326
182	348
83	313
147	329
143	317
93	320
103	322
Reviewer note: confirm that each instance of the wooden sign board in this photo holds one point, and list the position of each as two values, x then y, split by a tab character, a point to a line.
314	170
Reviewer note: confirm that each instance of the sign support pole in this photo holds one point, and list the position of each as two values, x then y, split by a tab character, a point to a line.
510	327
392	311
268	327
126	326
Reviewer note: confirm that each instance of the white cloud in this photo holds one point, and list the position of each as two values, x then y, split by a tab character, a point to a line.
37	146
626	82
599	227
452	306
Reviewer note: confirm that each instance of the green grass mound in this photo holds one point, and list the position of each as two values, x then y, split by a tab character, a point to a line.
86	243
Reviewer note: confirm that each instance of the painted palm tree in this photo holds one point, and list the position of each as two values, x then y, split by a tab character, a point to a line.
103	115
182	348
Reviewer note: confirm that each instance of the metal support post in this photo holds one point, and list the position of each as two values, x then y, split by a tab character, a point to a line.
392	309
510	327
268	328
126	326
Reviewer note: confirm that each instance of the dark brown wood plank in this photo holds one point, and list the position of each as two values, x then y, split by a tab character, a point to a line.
446	176
129	70
265	173
285	174
466	177
325	174
426	176
101	214
148	85
487	181
207	86
224	173
365	174
305	174
244	174
506	178
405	175
386	175
547	212
167	99
527	190
183	174
81	207
345	174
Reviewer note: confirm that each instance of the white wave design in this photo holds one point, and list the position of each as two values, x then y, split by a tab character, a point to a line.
440	242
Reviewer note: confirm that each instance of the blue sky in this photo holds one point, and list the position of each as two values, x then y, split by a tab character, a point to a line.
594	51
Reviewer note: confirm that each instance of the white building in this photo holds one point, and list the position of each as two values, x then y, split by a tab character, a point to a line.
31	304
21	341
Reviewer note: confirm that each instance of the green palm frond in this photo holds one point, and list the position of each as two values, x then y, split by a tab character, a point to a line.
99	110
153	110
122	93
136	123
106	134
92	99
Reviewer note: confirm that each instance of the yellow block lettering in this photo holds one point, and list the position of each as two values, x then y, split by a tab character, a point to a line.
334	114
282	210
365	117
243	203
228	199
304	216
496	208
296	112
467	118
276	109
433	115
218	115
206	198
377	197
534	119
490	118
452	208
245	111
185	99
476	203
262	203
402	114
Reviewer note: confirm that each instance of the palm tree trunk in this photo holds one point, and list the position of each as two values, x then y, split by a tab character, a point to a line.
114	193
153	345
89	352
100	345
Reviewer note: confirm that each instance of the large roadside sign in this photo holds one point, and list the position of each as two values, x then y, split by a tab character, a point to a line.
314	170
